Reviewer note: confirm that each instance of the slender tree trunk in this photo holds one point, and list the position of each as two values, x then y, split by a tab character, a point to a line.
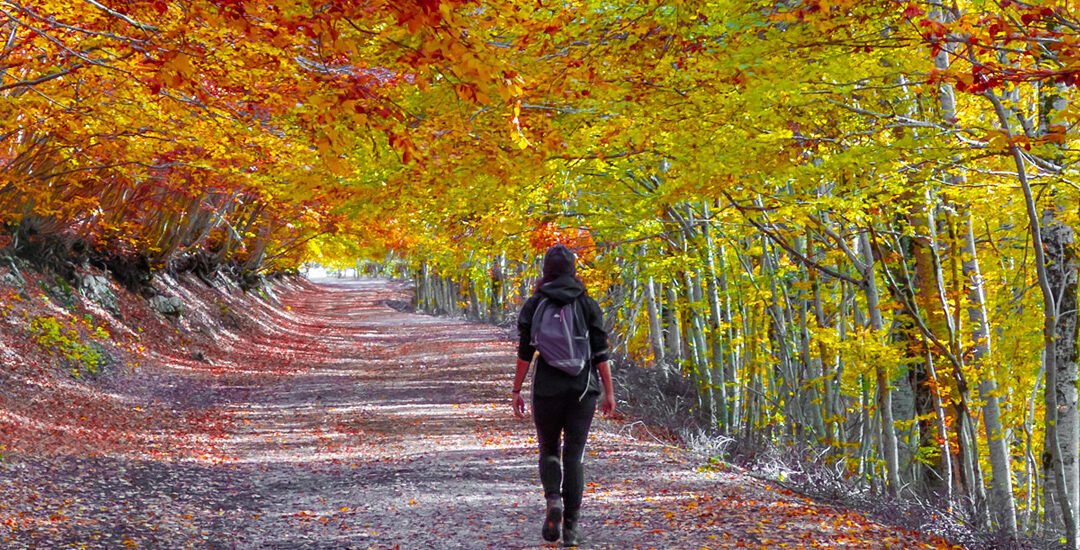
837	403
656	333
884	396
814	399
729	333
423	288
674	326
1062	279
866	433
696	338
1002	507
942	427
474	299
967	443
717	343
1035	487
825	359
752	399
495	308
778	337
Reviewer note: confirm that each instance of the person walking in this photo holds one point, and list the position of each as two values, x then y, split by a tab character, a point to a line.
563	404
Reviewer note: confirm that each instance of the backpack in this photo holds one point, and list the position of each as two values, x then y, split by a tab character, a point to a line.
561	335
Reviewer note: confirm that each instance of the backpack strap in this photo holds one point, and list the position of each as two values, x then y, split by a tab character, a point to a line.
541	305
579	317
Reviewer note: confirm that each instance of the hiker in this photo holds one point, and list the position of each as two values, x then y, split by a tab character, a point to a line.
563	403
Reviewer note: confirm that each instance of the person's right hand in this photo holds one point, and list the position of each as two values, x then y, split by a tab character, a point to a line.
518	405
607	404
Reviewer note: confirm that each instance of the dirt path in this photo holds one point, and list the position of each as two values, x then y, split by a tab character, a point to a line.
389	430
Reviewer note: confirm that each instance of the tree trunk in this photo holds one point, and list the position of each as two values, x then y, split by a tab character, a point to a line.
717	343
967	443
815	400
696	338
498	295
656	333
1062	278
1001	505
734	359
674	327
827	360
884	396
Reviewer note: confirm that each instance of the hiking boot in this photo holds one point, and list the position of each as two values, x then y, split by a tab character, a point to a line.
570	536
553	519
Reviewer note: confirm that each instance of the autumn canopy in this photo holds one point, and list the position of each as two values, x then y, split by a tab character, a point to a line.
849	224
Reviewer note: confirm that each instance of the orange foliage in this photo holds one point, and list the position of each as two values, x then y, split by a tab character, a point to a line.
172	127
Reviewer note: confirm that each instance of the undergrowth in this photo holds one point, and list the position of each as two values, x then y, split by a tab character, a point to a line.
63	339
667	404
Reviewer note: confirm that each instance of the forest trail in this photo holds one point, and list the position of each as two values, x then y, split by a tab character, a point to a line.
346	423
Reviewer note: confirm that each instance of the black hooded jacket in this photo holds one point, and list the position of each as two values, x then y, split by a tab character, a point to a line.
549	381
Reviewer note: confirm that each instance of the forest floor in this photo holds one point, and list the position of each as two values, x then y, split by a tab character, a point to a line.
325	417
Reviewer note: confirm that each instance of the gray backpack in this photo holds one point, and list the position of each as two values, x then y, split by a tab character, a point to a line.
561	335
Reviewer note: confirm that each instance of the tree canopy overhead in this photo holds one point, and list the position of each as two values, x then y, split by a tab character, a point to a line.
244	128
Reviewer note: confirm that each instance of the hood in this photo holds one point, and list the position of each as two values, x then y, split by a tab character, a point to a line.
559	260
562	290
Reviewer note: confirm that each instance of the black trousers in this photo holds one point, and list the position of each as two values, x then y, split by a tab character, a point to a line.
561	469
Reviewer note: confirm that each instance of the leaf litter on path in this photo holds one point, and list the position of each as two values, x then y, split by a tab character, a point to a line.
337	421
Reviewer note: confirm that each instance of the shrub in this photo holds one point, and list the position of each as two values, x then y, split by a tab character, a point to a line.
62	339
